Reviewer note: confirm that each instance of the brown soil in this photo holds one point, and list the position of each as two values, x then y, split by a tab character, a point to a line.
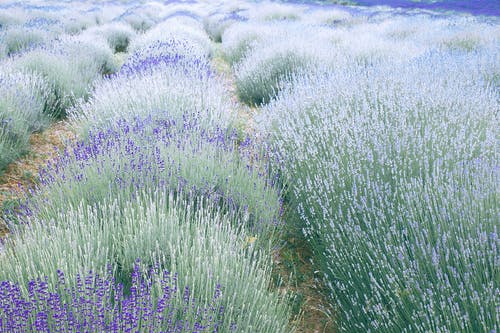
293	265
23	173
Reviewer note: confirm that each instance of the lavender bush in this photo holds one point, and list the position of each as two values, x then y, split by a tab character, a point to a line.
88	53
268	59
269	11
18	39
239	38
182	28
152	303
190	235
173	52
261	75
393	173
117	35
161	84
23	97
10	17
70	66
141	18
157	153
216	23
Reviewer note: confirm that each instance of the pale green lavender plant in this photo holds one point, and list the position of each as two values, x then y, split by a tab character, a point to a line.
22	102
164	91
193	238
393	174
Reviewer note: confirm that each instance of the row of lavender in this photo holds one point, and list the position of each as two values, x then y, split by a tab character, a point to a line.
47	63
384	126
162	173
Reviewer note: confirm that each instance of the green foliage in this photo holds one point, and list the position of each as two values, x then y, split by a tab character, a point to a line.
70	71
262	74
17	39
390	173
22	103
199	242
117	35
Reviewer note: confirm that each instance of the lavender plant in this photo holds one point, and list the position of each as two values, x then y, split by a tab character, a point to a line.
88	54
117	35
156	153
271	11
22	101
159	85
393	173
216	23
141	18
263	72
152	303
18	39
10	17
172	53
238	39
75	24
70	66
186	29
189	235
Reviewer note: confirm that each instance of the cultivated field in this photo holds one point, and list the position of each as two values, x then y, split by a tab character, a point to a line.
260	167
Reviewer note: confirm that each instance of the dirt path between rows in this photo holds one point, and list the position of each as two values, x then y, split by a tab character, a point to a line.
292	262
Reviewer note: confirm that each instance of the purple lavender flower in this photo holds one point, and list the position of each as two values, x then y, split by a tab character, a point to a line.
100	304
135	155
165	53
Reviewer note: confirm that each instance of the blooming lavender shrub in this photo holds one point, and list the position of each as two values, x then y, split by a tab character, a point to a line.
88	53
141	18
173	53
87	14
216	23
10	17
70	66
272	11
158	83
263	73
159	153
189	235
117	35
397	38
152	303
238	39
19	39
23	97
393	173
177	27
272	62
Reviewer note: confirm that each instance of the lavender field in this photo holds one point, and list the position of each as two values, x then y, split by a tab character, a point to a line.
243	166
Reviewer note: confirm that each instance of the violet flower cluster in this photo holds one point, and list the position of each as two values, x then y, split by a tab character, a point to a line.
153	303
155	153
174	52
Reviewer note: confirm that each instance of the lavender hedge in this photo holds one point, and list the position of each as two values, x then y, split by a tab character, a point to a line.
393	174
23	97
153	153
198	202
